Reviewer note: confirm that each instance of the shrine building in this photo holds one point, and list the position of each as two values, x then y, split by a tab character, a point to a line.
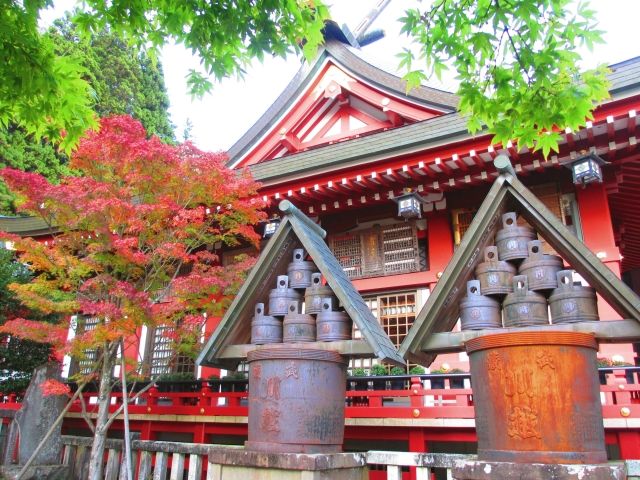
349	147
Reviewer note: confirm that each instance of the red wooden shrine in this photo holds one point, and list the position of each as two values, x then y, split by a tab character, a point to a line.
341	142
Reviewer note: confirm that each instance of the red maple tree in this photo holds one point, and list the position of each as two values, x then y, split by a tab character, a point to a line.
135	226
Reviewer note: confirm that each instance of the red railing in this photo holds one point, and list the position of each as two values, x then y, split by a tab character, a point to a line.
620	399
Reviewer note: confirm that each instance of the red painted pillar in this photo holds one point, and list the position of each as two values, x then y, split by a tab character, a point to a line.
440	235
417	443
440	238
209	328
595	218
629	443
131	349
597	234
146	431
198	433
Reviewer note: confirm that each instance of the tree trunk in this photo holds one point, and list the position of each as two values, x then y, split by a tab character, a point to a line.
96	461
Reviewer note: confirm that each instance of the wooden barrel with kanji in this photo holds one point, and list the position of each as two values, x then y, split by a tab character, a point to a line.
296	400
537	398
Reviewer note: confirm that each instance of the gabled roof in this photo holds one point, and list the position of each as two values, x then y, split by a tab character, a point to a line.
335	52
420	136
441	311
295	229
26	226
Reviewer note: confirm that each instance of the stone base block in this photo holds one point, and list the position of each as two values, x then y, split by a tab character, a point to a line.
480	470
240	464
38	472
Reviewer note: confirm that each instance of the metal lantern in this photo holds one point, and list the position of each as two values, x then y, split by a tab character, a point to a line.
409	205
270	227
587	169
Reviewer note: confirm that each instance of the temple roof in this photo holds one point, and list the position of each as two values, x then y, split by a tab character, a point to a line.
337	52
26	226
426	134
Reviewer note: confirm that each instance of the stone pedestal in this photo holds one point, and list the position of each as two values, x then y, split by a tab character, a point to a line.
479	470
240	464
30	424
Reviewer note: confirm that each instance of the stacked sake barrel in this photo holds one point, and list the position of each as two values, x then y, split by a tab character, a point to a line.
286	414
536	393
517	285
285	322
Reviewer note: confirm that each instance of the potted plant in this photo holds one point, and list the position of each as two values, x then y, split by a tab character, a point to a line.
359	384
603	362
214	382
456	382
136	381
91	385
178	382
399	383
235	382
438	382
379	370
240	384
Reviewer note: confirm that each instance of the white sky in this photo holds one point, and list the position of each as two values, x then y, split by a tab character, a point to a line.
221	117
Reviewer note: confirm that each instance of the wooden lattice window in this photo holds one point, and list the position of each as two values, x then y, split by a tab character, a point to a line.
346	248
396	313
462	218
87	363
548	194
163	357
382	250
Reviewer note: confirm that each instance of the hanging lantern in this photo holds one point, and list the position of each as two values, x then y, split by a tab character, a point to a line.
409	205
270	227
586	169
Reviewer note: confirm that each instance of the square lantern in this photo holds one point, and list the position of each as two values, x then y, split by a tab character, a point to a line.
409	206
587	169
270	227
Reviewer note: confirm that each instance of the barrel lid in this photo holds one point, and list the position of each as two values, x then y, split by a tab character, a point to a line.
515	339
285	353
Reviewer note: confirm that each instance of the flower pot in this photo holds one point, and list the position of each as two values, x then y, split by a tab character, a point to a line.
379	384
398	384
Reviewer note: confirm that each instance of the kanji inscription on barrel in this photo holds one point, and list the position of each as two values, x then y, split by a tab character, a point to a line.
536	398
296	400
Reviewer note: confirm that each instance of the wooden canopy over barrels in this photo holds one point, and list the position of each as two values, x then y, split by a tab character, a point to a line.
441	312
229	344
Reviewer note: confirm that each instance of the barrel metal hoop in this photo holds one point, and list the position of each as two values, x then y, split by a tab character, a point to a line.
510	339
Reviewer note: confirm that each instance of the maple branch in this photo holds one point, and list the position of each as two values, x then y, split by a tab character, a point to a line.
85	415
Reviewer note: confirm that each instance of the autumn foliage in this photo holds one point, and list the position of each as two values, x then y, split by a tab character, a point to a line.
134	238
